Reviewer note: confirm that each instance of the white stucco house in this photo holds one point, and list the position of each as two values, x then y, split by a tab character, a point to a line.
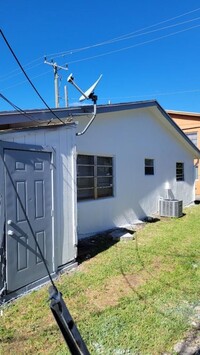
132	155
113	175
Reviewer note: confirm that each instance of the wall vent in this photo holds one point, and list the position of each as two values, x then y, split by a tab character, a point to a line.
170	208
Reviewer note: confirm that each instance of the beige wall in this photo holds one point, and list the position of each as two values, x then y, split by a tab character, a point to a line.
189	123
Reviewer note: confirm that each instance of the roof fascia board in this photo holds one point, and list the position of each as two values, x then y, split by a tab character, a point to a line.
12	117
183	113
40	127
36	116
125	106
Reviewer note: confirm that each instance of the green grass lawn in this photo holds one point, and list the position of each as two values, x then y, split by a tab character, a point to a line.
136	297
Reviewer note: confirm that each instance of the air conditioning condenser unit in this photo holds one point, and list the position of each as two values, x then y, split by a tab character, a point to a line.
170	208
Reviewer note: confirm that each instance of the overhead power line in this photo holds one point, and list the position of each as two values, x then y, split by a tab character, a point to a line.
32	64
115	51
18	109
16	72
133	46
155	94
129	35
29	80
125	36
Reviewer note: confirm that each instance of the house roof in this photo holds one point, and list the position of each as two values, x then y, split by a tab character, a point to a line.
38	127
13	119
188	121
39	115
183	113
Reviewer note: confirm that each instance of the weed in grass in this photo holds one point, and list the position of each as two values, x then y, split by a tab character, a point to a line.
6	334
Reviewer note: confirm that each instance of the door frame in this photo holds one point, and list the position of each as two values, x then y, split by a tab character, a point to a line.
32	148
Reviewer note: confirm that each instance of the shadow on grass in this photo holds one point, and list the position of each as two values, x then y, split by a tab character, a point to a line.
89	247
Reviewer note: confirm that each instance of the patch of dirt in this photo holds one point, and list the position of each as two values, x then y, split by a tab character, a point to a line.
116	288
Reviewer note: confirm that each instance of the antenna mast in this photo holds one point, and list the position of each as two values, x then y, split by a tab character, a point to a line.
66	96
89	94
56	67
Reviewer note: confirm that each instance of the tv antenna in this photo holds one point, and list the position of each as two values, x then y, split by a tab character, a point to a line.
87	95
56	67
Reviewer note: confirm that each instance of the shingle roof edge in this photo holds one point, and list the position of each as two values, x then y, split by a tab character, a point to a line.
85	109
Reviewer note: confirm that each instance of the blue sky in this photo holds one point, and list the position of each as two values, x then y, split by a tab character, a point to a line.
144	49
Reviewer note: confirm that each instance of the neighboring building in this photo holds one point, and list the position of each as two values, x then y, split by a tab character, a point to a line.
189	122
38	167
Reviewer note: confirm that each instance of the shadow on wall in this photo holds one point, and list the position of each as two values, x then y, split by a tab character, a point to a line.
169	194
142	215
133	214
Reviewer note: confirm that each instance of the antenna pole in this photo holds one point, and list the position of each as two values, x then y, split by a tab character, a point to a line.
56	87
70	79
56	67
66	96
89	94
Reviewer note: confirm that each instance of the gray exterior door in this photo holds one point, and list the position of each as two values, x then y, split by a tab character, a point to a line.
31	175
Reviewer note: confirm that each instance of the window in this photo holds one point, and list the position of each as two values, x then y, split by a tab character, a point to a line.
149	167
94	177
193	137
179	171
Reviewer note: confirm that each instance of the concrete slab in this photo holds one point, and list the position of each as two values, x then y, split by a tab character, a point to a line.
121	235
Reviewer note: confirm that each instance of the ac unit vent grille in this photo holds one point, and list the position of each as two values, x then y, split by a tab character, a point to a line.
170	208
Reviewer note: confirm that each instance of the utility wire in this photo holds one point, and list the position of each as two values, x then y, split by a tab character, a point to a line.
148	95
133	46
115	51
18	109
125	48
24	81
156	30
16	72
27	66
33	86
61	54
113	40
